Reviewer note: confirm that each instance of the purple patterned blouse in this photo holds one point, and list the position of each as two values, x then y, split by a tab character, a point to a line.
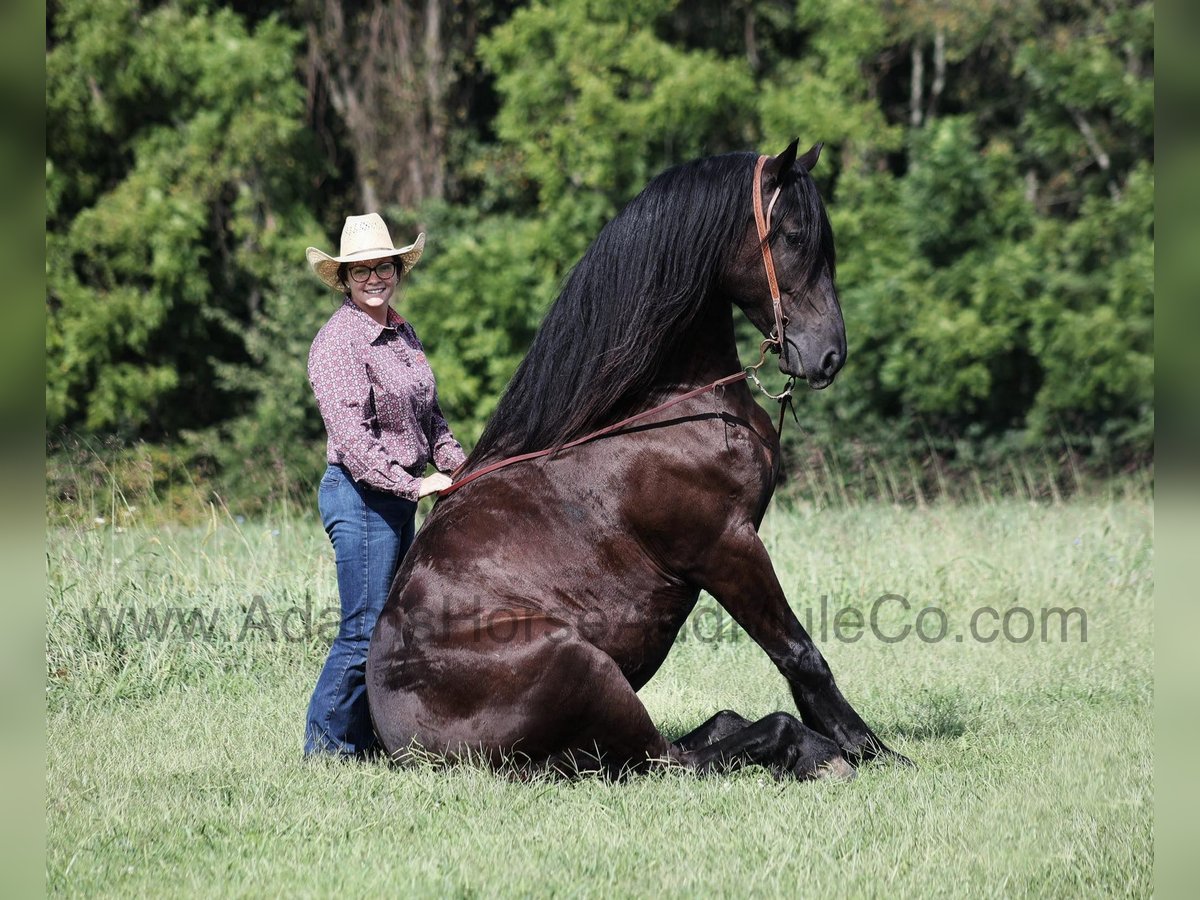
377	396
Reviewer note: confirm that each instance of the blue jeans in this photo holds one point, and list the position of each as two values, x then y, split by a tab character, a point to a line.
371	531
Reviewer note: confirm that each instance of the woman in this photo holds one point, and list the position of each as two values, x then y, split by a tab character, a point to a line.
377	396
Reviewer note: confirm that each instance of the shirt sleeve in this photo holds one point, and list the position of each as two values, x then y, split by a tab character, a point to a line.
344	396
447	452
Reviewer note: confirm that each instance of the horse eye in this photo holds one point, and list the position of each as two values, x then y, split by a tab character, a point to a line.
793	238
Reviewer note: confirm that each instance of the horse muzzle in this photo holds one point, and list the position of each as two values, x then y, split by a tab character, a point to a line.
819	373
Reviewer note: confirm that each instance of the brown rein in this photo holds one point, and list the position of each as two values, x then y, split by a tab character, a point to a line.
776	339
609	429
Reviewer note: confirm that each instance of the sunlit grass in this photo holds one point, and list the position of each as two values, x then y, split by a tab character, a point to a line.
174	764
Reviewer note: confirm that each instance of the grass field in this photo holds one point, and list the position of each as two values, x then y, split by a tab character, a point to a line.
174	765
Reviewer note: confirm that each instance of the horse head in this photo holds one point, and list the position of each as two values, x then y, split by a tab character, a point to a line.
800	243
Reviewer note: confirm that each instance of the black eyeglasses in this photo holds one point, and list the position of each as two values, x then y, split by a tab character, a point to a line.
384	270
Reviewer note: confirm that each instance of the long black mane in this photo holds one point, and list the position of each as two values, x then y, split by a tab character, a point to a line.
629	300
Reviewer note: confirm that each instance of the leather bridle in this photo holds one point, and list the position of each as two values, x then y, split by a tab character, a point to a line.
763	224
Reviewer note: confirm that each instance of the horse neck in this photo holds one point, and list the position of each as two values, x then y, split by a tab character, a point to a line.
706	351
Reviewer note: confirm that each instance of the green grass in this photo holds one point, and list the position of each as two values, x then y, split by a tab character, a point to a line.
174	765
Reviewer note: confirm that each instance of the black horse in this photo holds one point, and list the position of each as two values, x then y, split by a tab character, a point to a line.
539	598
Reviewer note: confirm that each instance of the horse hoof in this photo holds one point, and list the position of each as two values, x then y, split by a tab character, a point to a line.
836	769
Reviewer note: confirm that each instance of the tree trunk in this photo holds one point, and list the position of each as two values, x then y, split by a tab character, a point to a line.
917	86
387	73
939	71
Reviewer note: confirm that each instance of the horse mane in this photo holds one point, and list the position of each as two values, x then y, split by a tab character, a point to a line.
629	300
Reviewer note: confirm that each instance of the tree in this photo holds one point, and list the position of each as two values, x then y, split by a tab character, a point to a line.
988	172
176	159
401	78
594	102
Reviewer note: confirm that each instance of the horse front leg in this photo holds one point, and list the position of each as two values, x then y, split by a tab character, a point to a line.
778	742
720	726
744	583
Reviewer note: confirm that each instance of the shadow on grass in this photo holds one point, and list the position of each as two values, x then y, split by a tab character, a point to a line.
929	715
936	715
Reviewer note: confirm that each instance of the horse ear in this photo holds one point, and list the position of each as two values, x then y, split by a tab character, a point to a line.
778	167
809	159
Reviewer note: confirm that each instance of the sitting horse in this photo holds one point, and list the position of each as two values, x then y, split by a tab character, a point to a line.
538	598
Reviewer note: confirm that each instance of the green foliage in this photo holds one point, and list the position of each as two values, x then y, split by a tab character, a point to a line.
1092	326
594	100
821	94
276	445
950	320
1000	282
476	300
1091	112
988	171
173	136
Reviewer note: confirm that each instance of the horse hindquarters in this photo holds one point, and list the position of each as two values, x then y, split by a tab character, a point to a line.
544	696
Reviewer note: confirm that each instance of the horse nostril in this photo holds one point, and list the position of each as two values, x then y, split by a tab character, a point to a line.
831	362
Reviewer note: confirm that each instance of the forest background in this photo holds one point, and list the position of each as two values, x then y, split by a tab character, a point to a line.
989	171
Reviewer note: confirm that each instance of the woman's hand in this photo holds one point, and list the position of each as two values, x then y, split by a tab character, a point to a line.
431	484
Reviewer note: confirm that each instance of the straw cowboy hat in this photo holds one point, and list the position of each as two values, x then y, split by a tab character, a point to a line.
363	237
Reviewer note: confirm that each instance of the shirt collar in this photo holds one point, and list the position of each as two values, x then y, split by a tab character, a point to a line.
363	323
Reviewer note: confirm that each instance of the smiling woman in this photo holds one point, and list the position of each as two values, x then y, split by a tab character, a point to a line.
378	399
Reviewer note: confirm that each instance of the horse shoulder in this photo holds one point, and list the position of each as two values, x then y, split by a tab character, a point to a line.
682	495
